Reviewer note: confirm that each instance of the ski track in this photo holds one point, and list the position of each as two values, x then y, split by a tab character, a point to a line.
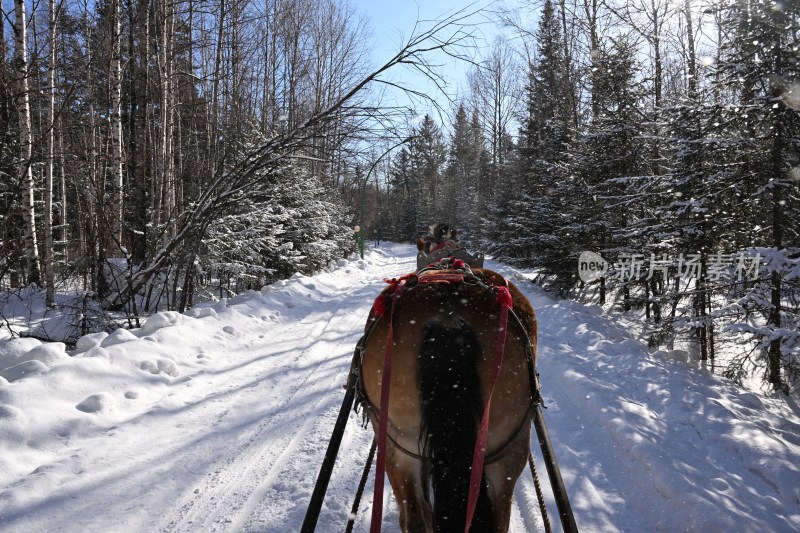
235	485
240	494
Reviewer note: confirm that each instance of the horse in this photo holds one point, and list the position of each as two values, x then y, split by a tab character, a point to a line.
444	334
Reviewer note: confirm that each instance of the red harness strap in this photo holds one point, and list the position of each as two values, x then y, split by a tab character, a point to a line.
478	456
383	413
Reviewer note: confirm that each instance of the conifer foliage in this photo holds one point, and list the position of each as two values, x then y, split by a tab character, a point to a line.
664	136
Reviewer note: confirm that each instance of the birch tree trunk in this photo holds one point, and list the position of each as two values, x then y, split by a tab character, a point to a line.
590	15
115	82
95	189
50	156
62	219
167	121
572	99
213	121
162	186
26	143
691	64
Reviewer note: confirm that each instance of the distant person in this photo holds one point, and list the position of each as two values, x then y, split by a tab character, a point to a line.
439	236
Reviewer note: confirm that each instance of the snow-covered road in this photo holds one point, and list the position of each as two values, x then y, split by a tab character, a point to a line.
218	421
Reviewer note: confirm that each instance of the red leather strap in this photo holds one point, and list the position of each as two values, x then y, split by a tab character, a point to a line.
478	456
383	413
434	276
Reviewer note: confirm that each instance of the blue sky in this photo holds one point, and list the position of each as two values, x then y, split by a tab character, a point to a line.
392	22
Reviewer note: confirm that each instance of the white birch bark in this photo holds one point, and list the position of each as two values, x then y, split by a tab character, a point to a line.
116	121
50	156
26	142
167	121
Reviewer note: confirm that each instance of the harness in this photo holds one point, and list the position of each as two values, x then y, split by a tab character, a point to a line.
433	273
448	270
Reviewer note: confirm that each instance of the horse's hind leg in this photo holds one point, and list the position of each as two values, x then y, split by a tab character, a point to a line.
503	474
407	476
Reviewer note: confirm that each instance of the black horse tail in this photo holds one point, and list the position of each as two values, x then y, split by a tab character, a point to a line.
452	406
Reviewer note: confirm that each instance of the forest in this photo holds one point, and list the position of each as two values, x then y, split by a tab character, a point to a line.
156	153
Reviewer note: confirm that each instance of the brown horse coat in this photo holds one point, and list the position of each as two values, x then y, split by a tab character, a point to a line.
508	442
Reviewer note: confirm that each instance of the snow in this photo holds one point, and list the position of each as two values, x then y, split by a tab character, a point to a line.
217	420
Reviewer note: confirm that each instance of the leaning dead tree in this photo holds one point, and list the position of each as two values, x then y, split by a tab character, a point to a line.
254	174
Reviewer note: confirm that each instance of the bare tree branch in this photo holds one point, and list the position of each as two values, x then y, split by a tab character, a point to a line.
253	172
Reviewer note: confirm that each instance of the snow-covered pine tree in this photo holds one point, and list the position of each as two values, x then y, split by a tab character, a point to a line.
295	226
760	69
416	182
532	207
428	158
608	160
696	215
404	188
463	176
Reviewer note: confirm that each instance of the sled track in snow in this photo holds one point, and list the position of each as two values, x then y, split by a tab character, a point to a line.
225	500
295	426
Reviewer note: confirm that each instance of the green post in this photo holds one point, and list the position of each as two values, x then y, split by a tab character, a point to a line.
361	220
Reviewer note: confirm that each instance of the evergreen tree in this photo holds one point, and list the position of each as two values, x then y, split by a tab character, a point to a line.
463	176
294	227
533	216
759	70
428	158
546	126
608	159
10	214
416	182
404	188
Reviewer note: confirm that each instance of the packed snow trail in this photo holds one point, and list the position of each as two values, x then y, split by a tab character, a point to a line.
218	421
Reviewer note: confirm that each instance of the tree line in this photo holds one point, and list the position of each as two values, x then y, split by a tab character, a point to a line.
664	136
148	146
152	151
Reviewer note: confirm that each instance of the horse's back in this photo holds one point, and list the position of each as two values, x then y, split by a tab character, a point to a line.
447	304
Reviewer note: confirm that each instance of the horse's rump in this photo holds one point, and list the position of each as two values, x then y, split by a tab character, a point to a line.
468	315
477	306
